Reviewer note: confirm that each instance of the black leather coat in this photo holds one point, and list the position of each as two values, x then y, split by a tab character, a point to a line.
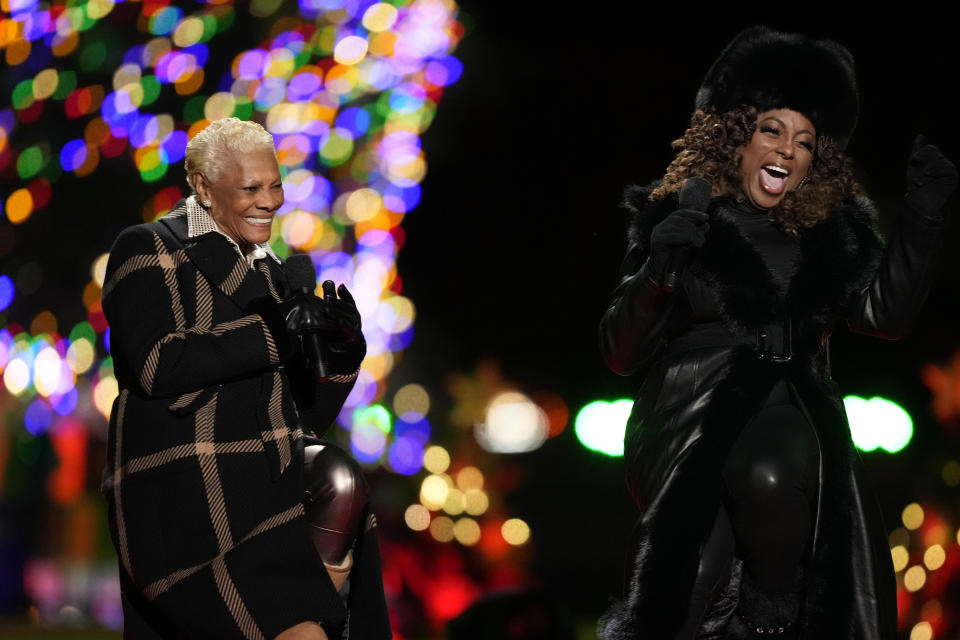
704	377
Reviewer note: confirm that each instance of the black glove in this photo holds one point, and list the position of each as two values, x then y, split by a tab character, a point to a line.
682	228
345	342
931	179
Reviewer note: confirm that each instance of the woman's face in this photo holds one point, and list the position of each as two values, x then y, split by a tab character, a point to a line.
777	157
245	196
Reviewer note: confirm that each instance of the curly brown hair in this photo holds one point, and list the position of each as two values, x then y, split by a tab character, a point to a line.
710	148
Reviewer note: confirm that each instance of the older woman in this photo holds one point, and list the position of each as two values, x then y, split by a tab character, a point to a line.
205	472
754	521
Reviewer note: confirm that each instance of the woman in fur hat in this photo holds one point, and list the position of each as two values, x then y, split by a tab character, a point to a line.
754	520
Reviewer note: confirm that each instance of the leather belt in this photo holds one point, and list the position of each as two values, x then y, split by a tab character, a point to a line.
772	342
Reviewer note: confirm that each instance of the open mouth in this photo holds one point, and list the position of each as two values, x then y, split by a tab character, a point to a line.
259	222
773	179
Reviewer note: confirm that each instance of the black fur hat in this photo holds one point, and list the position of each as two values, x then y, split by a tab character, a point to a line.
772	70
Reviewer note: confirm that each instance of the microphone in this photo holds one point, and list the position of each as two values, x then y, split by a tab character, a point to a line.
694	194
306	317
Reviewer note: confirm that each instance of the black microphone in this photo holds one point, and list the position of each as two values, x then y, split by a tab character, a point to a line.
305	318
694	194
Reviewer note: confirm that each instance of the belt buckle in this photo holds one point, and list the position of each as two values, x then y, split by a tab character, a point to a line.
771	352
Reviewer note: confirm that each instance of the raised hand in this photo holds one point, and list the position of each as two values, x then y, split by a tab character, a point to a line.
931	179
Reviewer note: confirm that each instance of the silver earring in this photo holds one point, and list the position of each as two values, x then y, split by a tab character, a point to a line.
207	203
803	181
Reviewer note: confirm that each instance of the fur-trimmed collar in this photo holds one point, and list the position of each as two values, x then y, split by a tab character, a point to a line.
837	259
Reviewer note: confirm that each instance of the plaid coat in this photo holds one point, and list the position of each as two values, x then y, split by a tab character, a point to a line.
204	474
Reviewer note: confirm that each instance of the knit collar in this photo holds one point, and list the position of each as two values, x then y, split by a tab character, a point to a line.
199	223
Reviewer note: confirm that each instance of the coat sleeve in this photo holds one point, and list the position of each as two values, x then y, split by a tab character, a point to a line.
319	403
153	349
888	304
632	329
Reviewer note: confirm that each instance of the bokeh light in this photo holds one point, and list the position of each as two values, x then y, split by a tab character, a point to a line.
914	578
436	459
513	424
466	531
934	557
878	423
900	557
600	425
515	531
912	516
417	517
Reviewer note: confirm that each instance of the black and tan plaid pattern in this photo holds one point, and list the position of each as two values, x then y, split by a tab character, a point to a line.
206	435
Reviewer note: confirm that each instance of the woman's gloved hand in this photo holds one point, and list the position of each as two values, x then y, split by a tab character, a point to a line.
682	228
931	179
342	333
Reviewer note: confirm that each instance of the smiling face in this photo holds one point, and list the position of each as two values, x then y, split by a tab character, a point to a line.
777	157
245	196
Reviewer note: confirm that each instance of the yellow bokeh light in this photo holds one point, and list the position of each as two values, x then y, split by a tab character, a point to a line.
16	376
125	75
921	631
914	578
188	32
298	228
476	501
398	316
414	170
912	516
19	206
433	491
380	17
363	204
97	9
413	397
80	355
45	83
469	478
515	531
281	63
455	503
442	529
900	557
379	364
467	531
436	459
104	394
98	270
934	557
219	105
417	517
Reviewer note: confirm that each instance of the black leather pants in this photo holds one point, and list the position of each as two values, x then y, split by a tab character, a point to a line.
771	477
336	493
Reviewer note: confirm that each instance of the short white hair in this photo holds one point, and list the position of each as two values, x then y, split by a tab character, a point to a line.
220	139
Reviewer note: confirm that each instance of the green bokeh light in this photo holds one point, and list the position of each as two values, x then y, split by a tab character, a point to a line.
600	425
878	423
